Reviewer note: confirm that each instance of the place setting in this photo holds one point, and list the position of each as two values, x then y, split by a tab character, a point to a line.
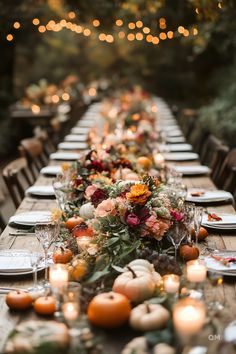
65	156
180	156
67	145
200	195
76	138
40	192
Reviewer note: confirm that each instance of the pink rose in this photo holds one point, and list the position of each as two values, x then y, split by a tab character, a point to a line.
90	190
106	207
157	227
176	215
132	219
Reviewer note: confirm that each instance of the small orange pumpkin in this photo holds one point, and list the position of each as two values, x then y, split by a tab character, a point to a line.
144	162
73	221
82	230
202	235
62	255
77	269
188	252
109	310
45	305
18	300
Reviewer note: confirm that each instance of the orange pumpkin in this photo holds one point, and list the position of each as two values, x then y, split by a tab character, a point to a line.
202	235
188	252
82	230
45	305
18	300
109	310
73	221
144	162
77	269
62	255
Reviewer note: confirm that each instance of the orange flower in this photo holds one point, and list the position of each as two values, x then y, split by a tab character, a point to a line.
65	166
139	193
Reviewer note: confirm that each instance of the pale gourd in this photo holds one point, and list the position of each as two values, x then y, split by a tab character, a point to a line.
137	286
149	317
87	211
137	345
142	262
163	348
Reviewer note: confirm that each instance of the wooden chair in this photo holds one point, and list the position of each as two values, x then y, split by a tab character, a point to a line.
32	150
2	222
209	149
188	118
16	177
43	136
197	138
217	162
226	176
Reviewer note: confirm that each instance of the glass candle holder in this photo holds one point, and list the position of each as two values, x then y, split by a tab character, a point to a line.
188	316
196	271
171	283
58	277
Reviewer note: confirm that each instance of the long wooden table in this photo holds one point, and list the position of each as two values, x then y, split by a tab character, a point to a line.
116	340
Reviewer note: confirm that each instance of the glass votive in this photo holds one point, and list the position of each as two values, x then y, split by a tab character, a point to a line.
171	283
196	271
71	311
188	316
58	277
71	292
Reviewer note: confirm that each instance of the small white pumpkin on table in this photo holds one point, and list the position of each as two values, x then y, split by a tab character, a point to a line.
149	317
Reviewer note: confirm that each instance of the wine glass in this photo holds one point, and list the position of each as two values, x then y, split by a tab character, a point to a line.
182	191
176	235
46	233
197	220
216	281
61	188
35	258
188	210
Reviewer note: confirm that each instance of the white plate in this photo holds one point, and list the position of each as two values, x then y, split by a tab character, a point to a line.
72	146
85	123
40	191
175	139
192	170
174	133
228	222
180	156
175	147
30	218
217	267
80	130
51	170
208	196
65	156
76	137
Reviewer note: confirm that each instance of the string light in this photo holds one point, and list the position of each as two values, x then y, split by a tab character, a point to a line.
96	23
186	33
121	34
131	37
79	29
65	96
131	25
16	25
195	31
139	36
197	11
9	37
36	21
162	36
139	24
146	30
220	5
102	37
42	29
181	29
149	38
119	22
55	98
86	32
109	38
71	15
170	34
155	40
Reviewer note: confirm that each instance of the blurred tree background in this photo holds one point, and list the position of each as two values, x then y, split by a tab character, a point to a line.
182	50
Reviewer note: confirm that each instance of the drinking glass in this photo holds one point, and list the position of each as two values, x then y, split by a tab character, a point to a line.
176	235
46	233
62	189
197	220
188	210
35	258
71	306
216	281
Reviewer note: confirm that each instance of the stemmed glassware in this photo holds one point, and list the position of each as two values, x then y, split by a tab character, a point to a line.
62	190
176	235
188	210
197	220
46	233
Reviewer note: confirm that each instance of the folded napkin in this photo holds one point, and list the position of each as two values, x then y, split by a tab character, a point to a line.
65	156
175	147
72	146
208	196
76	137
51	170
40	190
180	156
192	170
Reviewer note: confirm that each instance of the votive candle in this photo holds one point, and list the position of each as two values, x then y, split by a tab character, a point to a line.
196	271
58	276
171	283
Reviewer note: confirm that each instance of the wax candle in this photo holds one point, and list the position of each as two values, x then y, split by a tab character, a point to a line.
159	160
58	276
196	271
171	283
188	316
70	311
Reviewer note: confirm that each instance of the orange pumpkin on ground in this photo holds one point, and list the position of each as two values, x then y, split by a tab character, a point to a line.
144	162
73	221
202	235
18	300
62	255
109	310
188	252
45	305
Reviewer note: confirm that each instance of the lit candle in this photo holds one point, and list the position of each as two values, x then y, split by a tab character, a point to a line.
188	316
35	109
159	160
196	271
171	283
58	276
70	311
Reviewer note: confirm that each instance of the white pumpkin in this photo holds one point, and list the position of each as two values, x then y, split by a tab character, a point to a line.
137	345
137	286
149	317
163	348
142	262
87	211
